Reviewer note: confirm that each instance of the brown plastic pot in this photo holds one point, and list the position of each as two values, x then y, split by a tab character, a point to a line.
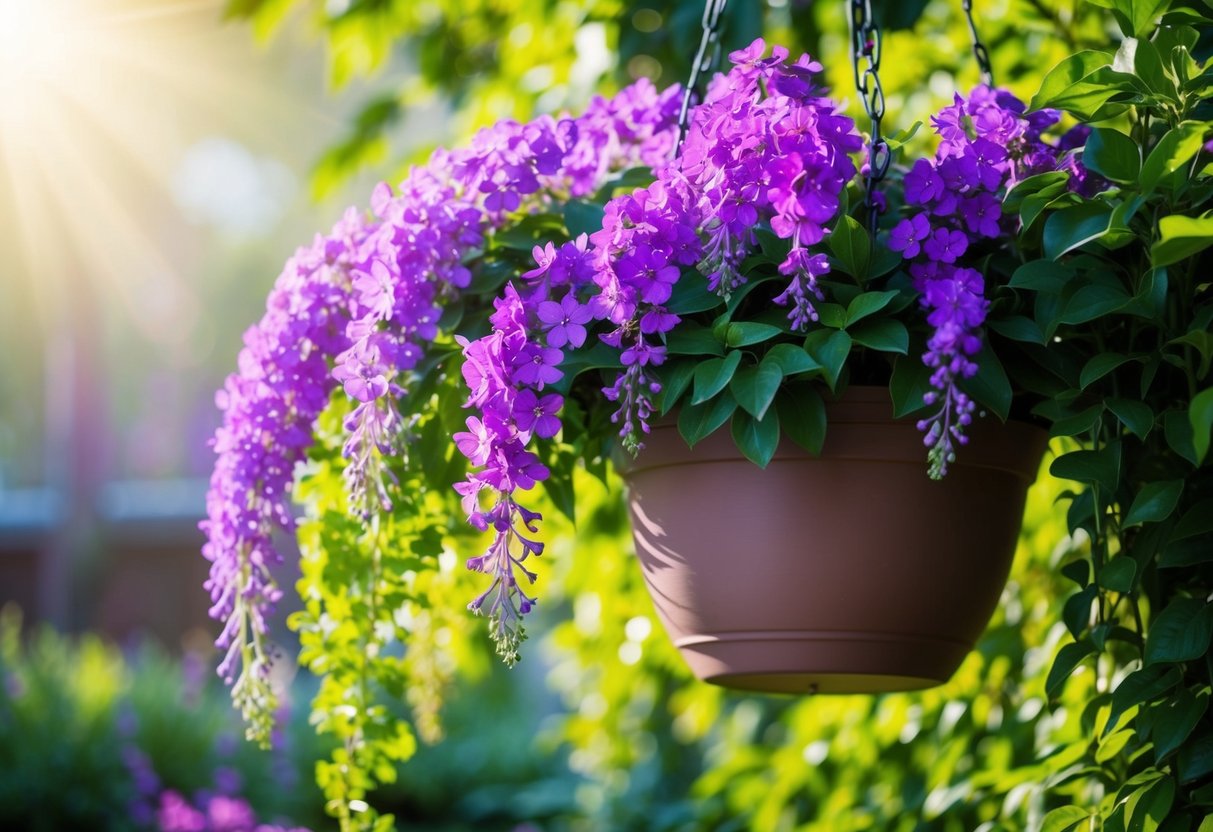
851	572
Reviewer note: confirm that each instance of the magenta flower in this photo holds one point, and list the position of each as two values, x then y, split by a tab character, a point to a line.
537	415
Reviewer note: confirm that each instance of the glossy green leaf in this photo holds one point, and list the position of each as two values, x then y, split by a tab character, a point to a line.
691	295
1042	276
886	335
791	359
1139	687
868	303
757	439
1200	418
675	378
1076	226
1093	301
910	382
697	421
1118	574
1100	467
1066	79
830	349
990	387
1173	151
1100	365
802	416
1068	658
1181	632
851	246
1065	819
1177	427
1175	718
581	217
1154	502
1112	154
754	387
1180	237
747	333
688	338
714	375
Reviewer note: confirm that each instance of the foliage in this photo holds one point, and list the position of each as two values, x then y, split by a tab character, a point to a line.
91	740
1060	279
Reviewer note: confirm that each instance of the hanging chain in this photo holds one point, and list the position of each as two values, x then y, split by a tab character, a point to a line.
865	61
706	59
979	49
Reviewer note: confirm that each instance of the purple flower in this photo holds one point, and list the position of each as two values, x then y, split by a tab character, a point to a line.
922	184
981	214
537	415
945	245
907	236
565	320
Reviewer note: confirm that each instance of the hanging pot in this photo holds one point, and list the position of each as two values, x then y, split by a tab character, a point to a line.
845	573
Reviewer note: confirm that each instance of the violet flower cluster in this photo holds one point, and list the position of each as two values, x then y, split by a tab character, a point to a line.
214	813
763	147
355	309
987	144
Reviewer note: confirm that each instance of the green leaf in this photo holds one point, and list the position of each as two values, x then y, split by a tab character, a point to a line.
851	246
1200	417
1134	415
1042	276
1100	365
1118	574
869	303
713	375
1076	613
1196	521
1065	819
1173	151
886	335
791	359
910	382
1066	78
581	217
1175	718
802	416
675	378
754	387
1139	687
691	295
1180	237
1178	430
1194	761
1100	467
1154	502
1181	632
1113	155
757	439
689	338
1076	226
990	387
1048	184
697	421
1077	424
1093	301
1140	15
1068	658
748	333
830	348
1202	341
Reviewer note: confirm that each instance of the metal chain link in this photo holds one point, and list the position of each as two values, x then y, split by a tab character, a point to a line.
706	59
865	61
979	49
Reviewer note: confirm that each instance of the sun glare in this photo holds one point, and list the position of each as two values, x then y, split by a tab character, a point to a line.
99	103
